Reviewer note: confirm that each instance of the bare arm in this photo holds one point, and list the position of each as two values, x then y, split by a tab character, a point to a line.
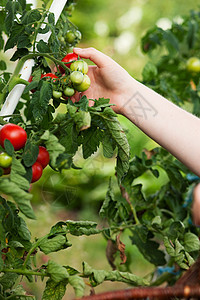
170	126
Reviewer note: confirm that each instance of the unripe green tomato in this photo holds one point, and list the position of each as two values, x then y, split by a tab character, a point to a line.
5	160
69	91
57	94
70	36
193	64
78	34
84	85
79	65
76	77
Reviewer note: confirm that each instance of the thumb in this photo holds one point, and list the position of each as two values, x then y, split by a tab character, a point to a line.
97	57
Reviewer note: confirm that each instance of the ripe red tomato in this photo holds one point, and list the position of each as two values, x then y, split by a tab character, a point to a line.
15	134
67	59
51	75
43	157
36	171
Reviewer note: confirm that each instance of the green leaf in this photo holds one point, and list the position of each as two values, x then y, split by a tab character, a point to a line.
119	139
91	140
40	101
21	197
191	242
2	65
8	147
82	120
30	153
149	71
8	280
31	16
57	272
43	47
53	146
51	18
109	207
78	284
53	244
54	290
148	248
107	143
82	227
17	174
98	276
23	230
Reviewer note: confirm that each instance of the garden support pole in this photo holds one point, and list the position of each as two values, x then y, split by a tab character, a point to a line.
14	96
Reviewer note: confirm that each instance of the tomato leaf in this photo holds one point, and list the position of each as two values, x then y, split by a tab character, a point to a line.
148	248
30	154
8	147
98	276
54	244
53	146
57	272
78	284
21	197
17	174
54	290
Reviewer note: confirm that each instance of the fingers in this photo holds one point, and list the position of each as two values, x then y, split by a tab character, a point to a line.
100	59
196	205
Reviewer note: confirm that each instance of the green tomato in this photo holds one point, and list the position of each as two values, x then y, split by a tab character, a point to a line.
84	85
57	94
78	35
193	64
70	36
76	77
79	65
69	91
5	160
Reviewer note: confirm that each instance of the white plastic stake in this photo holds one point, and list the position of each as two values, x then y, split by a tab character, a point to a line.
14	96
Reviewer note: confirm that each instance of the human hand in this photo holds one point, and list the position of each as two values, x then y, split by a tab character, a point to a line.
108	79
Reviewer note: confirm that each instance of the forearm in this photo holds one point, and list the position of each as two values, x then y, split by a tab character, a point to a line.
170	126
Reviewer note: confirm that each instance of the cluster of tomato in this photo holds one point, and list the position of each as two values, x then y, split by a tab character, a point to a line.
18	137
66	85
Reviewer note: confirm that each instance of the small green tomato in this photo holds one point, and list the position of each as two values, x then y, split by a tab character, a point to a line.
79	65
84	85
76	77
57	94
5	160
69	91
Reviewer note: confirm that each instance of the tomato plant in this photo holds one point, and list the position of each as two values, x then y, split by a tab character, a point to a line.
15	134
158	222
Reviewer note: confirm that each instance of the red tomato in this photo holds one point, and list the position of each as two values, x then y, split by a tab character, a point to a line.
43	156
15	134
51	75
36	171
68	58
